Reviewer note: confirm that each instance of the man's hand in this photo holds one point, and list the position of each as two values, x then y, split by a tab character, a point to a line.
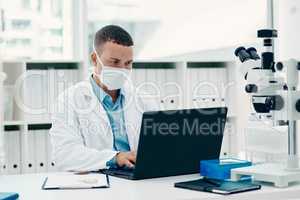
126	159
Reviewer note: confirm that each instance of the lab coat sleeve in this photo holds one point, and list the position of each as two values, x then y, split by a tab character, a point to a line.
68	149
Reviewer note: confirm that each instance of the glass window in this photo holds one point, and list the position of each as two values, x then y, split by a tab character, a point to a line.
176	28
31	29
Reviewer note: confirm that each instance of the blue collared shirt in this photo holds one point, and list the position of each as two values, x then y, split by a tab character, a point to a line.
116	118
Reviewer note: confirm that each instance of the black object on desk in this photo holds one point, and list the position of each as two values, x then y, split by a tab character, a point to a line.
179	151
218	186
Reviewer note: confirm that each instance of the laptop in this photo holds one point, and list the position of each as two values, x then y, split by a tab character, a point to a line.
173	142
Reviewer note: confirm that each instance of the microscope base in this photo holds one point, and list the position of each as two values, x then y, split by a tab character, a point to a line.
268	172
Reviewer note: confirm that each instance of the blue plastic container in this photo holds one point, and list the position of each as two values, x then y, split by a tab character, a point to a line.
220	169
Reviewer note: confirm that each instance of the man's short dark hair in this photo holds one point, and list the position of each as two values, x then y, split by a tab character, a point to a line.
112	33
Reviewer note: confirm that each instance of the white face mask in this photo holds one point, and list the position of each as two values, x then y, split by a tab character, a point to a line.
113	78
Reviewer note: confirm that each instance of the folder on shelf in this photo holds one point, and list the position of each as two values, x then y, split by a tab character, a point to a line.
50	164
172	90
28	153
151	81
44	98
224	85
34	95
191	82
160	82
214	91
41	150
12	150
6	154
200	96
141	81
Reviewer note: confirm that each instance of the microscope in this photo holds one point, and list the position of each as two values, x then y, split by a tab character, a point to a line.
272	87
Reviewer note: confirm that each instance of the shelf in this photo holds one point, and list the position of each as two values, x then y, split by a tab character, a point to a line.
16	122
13	122
39	122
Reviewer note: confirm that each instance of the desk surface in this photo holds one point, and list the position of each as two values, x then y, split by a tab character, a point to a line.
29	188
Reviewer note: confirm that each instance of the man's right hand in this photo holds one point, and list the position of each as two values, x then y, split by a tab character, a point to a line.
126	159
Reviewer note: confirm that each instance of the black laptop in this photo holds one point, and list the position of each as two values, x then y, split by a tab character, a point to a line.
173	142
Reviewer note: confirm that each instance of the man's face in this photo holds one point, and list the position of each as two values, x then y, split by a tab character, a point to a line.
113	55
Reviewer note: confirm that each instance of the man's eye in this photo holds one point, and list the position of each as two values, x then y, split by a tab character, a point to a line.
116	62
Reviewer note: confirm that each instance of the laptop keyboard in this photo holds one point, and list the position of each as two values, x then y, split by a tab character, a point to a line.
118	171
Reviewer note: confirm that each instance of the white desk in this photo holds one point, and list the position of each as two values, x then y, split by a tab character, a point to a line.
29	188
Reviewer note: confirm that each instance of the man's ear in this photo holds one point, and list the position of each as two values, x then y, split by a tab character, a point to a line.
94	58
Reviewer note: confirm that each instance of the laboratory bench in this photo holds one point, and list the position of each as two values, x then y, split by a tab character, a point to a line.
29	188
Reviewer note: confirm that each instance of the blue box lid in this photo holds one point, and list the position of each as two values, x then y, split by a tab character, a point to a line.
220	169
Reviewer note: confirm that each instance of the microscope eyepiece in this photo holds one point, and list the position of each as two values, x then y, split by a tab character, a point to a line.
253	53
242	54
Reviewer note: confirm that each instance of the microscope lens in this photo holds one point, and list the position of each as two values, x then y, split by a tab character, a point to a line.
253	53
242	54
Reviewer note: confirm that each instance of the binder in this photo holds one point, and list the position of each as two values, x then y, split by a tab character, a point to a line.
160	82
191	80
28	152
52	82
151	79
133	77
12	150
200	76
50	163
223	85
215	90
171	90
4	167
132	81
221	81
2	155
14	159
35	96
44	95
41	150
28	96
208	91
140	81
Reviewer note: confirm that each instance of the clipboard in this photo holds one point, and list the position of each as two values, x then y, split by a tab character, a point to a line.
76	181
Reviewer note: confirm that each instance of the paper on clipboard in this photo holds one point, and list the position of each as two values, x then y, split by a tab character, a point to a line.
74	181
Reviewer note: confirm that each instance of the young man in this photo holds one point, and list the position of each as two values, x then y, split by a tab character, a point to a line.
98	121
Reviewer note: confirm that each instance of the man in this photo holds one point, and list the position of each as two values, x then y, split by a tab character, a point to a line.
97	123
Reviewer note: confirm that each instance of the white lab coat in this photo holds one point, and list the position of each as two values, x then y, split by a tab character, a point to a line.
81	135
